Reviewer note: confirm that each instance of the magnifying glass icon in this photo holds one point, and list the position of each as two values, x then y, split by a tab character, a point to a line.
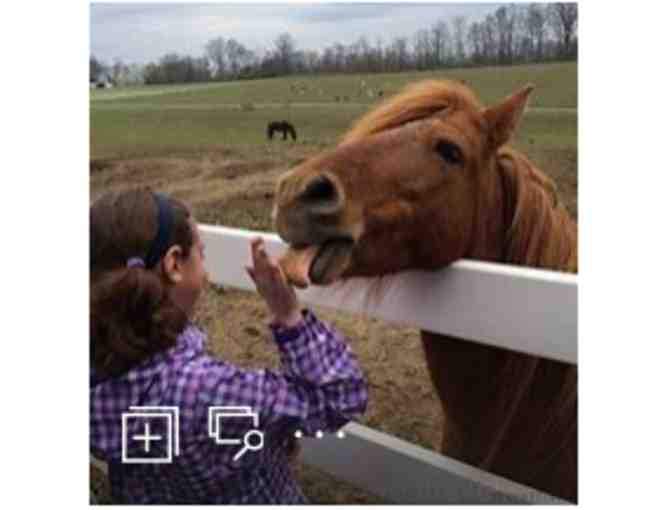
250	444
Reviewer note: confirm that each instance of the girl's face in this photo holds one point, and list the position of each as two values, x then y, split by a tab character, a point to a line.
192	274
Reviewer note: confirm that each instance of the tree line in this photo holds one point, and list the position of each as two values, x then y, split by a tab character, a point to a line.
512	34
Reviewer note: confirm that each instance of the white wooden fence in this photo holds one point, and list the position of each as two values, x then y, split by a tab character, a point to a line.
522	309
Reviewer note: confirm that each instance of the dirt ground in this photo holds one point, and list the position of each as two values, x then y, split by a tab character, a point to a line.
235	188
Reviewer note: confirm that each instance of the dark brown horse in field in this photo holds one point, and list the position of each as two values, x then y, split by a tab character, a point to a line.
426	179
283	126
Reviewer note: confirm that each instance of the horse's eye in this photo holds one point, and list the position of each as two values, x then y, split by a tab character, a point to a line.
450	152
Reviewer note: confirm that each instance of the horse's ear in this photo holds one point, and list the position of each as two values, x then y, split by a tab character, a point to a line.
503	118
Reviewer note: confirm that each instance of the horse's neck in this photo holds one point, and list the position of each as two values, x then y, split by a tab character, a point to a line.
485	390
506	412
518	219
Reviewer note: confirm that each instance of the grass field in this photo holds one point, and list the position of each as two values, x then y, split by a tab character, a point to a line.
197	143
556	87
151	121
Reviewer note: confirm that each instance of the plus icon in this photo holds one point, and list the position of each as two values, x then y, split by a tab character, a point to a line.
165	418
147	438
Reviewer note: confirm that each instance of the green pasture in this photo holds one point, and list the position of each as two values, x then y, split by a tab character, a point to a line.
556	87
154	120
126	132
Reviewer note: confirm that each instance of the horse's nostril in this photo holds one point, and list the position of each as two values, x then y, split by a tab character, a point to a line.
320	189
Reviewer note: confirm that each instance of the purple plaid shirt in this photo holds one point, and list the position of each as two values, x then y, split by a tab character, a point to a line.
319	387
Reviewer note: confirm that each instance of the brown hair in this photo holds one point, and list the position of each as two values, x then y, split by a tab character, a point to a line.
541	233
131	314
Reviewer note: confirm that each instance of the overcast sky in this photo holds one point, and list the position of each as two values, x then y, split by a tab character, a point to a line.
143	32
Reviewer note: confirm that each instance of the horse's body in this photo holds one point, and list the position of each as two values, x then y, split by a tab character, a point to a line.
283	126
426	179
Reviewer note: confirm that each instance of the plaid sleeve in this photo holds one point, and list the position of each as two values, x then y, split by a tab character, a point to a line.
316	356
315	353
321	386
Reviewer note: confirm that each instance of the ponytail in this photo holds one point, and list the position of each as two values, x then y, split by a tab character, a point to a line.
131	314
132	318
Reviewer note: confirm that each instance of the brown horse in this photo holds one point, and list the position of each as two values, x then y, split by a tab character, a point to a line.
421	181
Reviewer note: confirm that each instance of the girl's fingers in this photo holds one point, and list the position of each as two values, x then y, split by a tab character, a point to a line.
266	269
263	256
257	248
259	257
259	254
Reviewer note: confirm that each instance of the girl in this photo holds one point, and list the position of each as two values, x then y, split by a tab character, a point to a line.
146	276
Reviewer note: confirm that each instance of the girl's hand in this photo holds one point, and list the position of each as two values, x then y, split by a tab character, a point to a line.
273	286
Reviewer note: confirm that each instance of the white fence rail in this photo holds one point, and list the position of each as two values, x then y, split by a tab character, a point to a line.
403	473
522	309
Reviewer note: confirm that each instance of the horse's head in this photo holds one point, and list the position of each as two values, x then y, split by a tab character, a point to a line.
401	191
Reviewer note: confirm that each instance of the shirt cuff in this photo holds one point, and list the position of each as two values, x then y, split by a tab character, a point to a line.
284	335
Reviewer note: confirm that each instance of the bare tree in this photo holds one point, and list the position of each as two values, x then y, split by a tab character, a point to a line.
439	38
400	51
521	45
172	68
489	40
504	27
215	50
422	49
201	67
535	23
474	40
312	59
119	72
233	51
96	67
328	60
339	56
135	75
284	50
380	55
563	19
459	35
362	50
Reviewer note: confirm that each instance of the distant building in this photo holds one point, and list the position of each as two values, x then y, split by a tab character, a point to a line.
102	81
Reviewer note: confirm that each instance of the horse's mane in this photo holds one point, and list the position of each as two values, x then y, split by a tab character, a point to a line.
541	233
417	101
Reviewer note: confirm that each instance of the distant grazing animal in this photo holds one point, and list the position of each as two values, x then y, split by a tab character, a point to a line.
423	180
283	126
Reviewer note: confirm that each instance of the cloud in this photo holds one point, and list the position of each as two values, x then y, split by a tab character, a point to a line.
338	13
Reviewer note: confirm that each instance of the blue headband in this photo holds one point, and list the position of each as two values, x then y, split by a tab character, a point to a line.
161	241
